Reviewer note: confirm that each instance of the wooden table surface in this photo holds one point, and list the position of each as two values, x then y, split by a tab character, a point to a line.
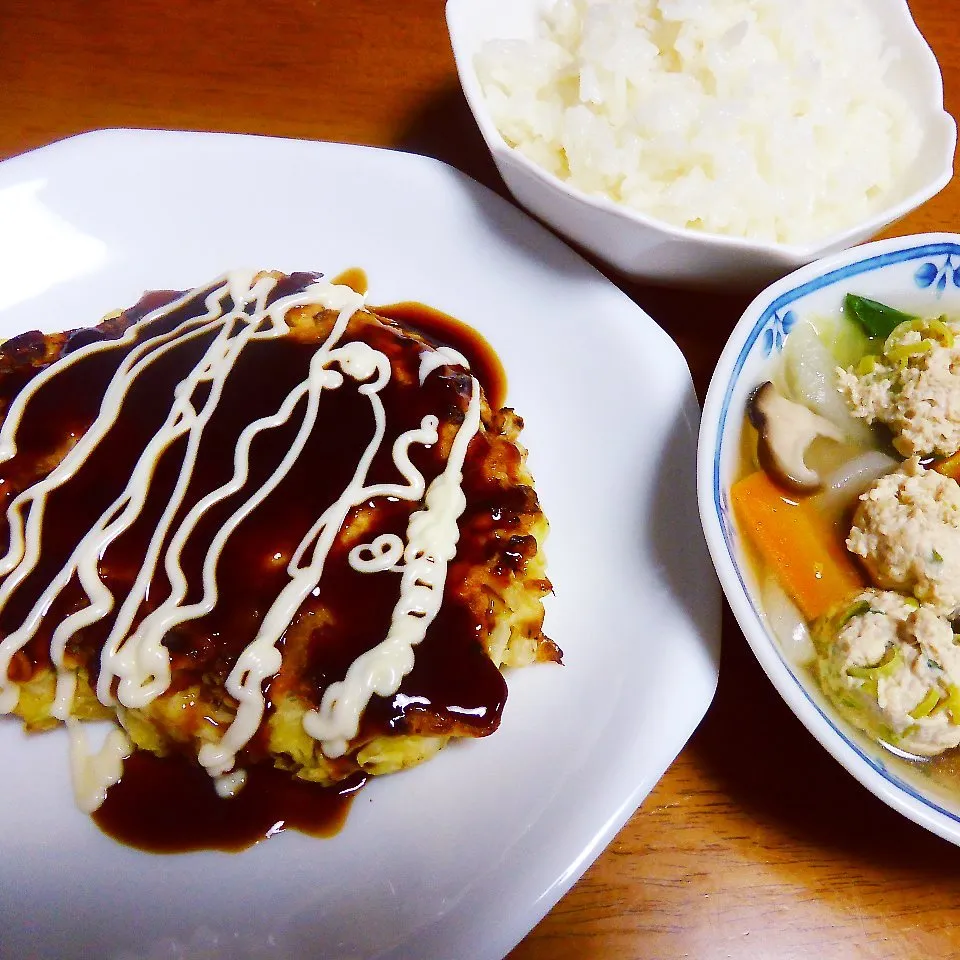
755	844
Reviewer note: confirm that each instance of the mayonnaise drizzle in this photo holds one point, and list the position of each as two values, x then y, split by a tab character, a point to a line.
135	664
432	536
430	360
93	772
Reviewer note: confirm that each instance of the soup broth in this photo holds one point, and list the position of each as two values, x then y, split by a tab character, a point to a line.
849	505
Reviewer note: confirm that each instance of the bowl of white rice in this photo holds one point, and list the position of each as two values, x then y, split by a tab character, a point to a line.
707	142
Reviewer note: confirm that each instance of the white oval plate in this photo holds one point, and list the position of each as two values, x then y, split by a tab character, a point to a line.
461	857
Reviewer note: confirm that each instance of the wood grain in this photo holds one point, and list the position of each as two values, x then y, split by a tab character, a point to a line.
755	844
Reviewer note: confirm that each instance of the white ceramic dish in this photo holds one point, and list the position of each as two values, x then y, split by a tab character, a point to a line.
648	249
919	274
459	858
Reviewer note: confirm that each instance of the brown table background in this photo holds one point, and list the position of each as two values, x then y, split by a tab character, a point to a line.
756	844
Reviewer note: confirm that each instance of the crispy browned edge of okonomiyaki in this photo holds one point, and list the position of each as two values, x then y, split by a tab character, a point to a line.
505	595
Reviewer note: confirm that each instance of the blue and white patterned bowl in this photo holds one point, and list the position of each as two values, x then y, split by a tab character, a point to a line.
917	274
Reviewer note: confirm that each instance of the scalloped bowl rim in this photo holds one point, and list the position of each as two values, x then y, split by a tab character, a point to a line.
871	772
789	252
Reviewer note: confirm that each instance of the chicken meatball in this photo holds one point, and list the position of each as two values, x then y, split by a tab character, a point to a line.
913	386
907	531
892	668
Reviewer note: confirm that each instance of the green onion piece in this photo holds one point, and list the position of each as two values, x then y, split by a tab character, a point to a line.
909	732
890	663
861	606
953	703
941	331
925	707
932	330
885	668
876	318
905	352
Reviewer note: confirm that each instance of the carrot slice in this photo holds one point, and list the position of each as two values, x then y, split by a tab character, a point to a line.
949	467
796	543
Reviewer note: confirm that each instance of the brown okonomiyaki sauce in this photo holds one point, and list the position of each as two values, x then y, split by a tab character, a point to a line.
170	805
355	278
444	330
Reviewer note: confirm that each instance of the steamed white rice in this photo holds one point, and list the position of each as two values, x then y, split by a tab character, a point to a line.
769	119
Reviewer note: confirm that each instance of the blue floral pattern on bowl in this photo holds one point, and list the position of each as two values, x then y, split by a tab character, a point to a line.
936	278
775	333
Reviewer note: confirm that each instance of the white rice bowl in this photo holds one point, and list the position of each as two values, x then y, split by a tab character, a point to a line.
763	119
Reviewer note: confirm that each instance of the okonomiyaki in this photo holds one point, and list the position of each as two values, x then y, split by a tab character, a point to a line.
255	522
